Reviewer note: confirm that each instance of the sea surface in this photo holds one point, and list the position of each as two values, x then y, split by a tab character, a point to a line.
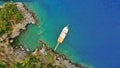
94	29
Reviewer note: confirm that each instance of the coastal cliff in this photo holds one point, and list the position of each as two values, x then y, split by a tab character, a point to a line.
14	56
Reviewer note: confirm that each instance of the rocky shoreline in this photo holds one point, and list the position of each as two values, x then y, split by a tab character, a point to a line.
29	18
11	53
58	58
8	53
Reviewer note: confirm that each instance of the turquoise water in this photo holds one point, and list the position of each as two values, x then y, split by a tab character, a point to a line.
48	29
94	35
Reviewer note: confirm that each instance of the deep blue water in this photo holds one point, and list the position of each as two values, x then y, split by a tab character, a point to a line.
94	29
97	24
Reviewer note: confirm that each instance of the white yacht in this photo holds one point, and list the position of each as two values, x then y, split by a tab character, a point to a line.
62	36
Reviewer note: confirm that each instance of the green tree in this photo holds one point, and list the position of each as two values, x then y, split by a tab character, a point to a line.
9	17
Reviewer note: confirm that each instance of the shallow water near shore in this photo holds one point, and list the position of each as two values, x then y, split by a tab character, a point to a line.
93	38
47	29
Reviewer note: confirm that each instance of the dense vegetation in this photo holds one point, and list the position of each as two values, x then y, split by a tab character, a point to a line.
29	62
9	17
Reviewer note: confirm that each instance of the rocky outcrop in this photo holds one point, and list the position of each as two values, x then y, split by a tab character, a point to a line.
59	59
10	53
28	18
